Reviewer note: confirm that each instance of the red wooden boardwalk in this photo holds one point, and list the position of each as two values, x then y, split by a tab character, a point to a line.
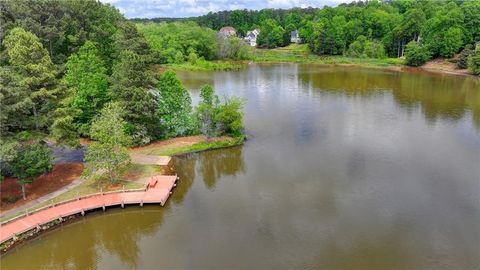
157	191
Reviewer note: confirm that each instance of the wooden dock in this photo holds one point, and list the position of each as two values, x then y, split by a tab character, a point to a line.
157	190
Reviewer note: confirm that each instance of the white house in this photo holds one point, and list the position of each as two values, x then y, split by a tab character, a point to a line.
251	37
295	37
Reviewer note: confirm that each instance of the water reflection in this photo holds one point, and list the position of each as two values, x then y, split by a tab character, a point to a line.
111	237
345	168
218	163
440	96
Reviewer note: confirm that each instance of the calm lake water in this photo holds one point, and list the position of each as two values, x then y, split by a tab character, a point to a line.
345	168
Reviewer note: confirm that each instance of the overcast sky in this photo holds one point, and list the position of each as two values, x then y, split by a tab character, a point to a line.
188	8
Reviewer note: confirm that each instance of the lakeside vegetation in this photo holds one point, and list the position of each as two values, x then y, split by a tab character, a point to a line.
416	30
90	76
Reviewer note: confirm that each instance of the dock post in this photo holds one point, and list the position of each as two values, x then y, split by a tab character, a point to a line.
60	218
141	203
83	212
123	205
103	207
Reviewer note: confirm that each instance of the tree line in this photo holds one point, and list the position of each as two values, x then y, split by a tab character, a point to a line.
74	69
364	28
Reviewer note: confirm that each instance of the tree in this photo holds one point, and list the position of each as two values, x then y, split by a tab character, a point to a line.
452	41
107	153
174	106
14	101
33	74
416	54
206	111
31	161
131	84
474	62
86	74
271	34
229	118
464	55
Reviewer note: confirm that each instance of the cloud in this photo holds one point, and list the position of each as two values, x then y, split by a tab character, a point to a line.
189	8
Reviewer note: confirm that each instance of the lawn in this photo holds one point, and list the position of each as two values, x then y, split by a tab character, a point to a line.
182	145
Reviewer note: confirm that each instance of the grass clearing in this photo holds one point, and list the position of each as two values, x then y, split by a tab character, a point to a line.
189	146
299	53
204	65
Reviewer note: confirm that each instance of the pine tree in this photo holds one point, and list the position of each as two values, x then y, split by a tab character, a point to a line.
131	85
32	71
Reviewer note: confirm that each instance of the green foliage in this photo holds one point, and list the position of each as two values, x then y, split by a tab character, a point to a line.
271	34
132	85
233	48
216	118
108	152
174	106
8	153
173	41
474	62
229	118
416	54
464	55
206	111
443	27
31	161
442	34
362	47
31	77
471	11
86	74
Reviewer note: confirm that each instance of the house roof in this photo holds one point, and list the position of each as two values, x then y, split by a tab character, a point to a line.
227	29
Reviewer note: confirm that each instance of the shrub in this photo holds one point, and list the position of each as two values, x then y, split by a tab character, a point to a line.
467	52
362	47
416	54
474	62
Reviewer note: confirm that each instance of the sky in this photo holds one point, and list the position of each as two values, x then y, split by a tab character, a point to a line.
189	8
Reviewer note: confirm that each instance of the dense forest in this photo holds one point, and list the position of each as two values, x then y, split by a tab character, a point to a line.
74	69
420	29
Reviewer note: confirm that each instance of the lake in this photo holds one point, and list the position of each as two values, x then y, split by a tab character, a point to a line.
345	168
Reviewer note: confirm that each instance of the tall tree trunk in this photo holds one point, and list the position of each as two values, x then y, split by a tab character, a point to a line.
23	191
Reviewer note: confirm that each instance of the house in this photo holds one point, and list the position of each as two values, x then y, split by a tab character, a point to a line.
295	37
227	31
251	37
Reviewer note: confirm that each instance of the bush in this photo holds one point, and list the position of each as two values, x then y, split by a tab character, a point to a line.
362	47
467	52
229	118
474	62
416	54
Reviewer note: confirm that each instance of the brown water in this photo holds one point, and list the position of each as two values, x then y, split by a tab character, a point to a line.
346	168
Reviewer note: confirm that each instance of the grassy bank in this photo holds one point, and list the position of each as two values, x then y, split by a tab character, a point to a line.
299	53
178	146
203	65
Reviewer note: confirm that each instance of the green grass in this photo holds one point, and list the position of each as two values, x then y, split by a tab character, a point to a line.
203	65
299	53
169	150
